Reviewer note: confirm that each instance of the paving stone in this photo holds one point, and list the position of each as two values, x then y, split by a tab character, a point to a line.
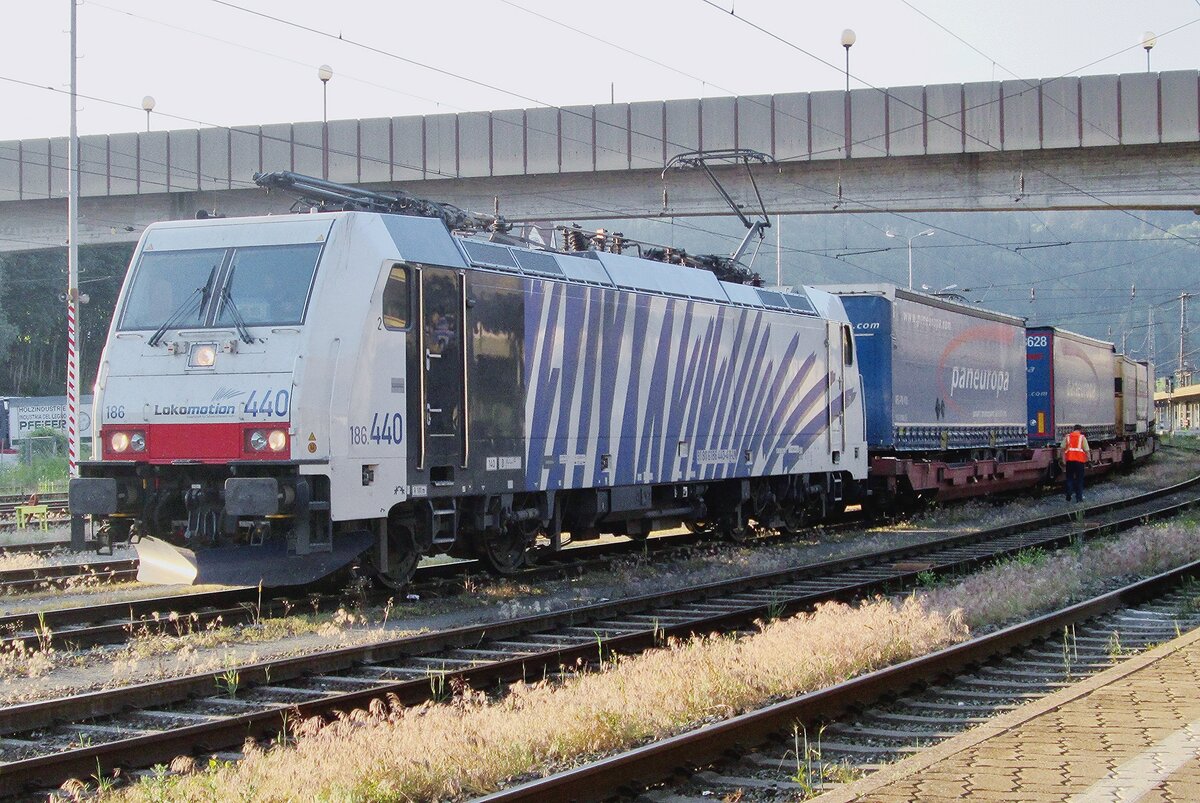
1036	775
951	789
1185	789
1113	727
1042	791
998	783
1154	796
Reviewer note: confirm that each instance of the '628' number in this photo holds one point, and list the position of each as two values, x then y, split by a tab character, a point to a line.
385	428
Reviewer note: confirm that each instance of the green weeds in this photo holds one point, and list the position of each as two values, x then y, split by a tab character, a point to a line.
228	682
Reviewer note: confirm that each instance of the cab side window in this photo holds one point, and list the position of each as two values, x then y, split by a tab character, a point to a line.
396	299
847	346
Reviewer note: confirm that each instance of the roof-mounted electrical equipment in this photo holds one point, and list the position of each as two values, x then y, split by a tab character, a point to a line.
316	194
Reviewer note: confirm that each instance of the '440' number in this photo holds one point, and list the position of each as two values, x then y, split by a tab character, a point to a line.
385	428
270	403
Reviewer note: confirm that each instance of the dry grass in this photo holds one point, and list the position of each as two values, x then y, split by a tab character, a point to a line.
10	561
59	556
164	645
476	744
89	593
390	753
1031	584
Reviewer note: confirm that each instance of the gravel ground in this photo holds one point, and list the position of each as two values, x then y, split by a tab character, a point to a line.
53	674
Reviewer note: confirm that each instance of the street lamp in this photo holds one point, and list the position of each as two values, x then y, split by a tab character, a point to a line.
324	72
1149	40
926	233
148	105
848	39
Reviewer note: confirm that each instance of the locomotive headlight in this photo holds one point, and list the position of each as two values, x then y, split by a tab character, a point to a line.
258	440
277	440
129	441
202	355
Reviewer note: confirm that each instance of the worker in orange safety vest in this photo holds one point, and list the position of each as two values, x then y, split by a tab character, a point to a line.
1075	455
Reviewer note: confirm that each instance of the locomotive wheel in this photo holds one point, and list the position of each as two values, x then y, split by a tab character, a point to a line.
700	527
400	570
737	530
402	559
504	551
794	521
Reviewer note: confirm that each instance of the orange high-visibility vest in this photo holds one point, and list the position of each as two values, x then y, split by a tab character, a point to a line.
1075	451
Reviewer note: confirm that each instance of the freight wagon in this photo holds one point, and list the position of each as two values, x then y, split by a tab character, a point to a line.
945	389
1070	382
943	376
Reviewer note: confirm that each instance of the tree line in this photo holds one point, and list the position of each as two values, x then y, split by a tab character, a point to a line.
33	316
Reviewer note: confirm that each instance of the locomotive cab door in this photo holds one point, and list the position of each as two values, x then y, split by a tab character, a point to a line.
836	347
442	372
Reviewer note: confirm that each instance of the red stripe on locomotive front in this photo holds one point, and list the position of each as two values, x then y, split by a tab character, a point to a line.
207	443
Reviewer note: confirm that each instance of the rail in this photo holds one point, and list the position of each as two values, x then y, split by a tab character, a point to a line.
482	656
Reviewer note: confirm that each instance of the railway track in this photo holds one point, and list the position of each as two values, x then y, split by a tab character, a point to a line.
880	734
153	722
56	507
16	581
113	623
943	694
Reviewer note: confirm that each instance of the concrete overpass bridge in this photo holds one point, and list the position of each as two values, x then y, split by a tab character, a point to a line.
1096	142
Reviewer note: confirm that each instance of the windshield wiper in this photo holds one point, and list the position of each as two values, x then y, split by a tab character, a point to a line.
238	320
184	308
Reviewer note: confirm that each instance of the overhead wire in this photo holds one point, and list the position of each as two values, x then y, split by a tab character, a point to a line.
456	75
450	73
1073	112
788	43
342	38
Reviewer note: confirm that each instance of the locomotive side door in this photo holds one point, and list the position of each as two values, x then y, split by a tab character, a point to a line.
442	362
835	399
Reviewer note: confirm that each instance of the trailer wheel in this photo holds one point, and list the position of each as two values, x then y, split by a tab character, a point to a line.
700	527
737	529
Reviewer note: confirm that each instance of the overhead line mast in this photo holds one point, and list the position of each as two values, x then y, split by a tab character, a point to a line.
73	271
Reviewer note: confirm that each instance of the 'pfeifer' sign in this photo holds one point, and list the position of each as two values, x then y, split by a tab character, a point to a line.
28	415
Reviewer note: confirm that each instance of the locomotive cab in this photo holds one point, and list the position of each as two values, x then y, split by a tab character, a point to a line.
199	407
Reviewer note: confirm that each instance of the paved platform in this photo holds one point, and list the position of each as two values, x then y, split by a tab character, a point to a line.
1129	733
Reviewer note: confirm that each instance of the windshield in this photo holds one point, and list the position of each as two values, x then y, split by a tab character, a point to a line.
264	284
165	282
269	285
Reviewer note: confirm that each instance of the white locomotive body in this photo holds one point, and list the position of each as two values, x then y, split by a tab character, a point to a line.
281	395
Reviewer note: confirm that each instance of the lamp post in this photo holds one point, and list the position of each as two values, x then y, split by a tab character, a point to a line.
148	105
324	72
848	40
1149	40
926	233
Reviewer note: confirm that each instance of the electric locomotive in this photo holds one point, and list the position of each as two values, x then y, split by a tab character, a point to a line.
281	396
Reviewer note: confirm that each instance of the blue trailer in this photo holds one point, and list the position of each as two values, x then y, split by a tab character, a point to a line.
940	376
1071	381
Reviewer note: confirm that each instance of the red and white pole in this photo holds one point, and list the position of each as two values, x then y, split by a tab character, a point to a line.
73	273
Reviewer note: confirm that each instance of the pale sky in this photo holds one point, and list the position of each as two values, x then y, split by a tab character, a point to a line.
210	62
